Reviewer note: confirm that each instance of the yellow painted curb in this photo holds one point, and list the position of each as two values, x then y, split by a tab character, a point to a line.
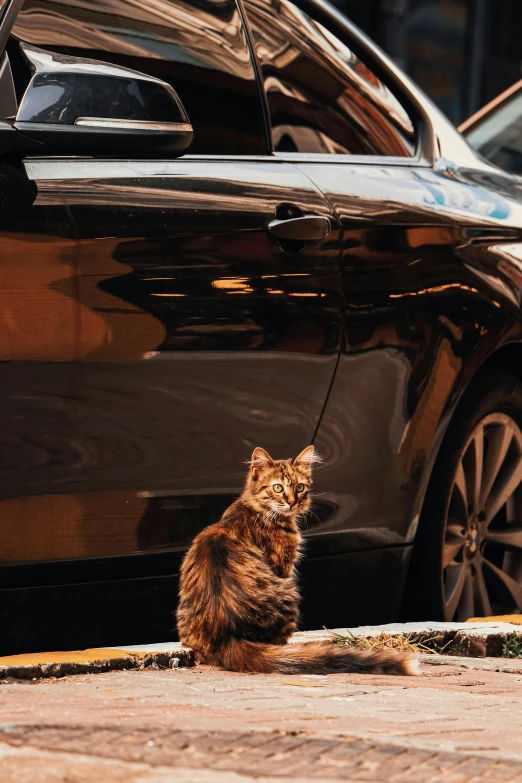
73	656
35	666
515	619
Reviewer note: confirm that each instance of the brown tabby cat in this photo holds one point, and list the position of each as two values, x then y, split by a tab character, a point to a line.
238	596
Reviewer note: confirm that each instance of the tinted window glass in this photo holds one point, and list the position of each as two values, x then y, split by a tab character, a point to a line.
321	97
198	47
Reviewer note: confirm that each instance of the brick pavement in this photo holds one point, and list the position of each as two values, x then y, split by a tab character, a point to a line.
259	754
458	722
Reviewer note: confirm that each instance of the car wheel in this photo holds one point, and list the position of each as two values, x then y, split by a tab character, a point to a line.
469	543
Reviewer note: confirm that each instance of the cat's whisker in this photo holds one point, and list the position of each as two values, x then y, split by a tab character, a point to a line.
272	515
308	513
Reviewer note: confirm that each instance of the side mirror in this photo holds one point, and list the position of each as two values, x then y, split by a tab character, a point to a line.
78	106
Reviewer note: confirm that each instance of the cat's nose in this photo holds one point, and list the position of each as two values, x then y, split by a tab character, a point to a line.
291	502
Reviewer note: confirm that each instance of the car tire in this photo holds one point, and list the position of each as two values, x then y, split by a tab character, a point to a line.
467	557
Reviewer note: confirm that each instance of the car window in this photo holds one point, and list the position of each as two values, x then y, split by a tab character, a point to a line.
321	97
198	47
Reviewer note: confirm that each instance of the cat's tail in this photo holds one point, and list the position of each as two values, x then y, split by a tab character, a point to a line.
325	657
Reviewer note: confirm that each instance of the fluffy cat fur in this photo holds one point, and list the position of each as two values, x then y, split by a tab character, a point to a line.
239	602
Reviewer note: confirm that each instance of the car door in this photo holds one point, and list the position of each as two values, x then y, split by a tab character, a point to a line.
410	307
203	332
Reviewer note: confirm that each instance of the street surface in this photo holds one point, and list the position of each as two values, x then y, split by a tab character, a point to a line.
458	722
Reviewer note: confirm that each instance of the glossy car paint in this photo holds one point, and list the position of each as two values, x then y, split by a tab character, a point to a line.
427	301
154	334
198	337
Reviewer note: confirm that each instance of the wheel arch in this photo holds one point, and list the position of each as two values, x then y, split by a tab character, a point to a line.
501	373
506	358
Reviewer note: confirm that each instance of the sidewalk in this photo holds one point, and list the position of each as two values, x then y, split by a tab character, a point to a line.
458	722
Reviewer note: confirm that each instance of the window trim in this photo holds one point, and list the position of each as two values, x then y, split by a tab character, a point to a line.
367	160
426	150
355	160
258	75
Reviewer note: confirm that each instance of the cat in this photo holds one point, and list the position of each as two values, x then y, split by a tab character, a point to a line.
238	597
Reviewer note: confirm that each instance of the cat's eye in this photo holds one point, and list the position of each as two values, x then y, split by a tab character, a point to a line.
299	488
277	487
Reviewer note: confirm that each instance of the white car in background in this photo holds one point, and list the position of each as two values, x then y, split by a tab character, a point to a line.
495	131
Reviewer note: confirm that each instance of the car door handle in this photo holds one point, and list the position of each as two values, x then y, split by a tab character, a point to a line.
310	228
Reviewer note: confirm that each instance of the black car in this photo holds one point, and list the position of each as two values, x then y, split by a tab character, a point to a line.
232	223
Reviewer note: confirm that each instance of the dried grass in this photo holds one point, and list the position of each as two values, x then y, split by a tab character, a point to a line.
386	641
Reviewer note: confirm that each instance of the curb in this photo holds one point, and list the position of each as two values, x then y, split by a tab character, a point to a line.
481	639
39	666
472	639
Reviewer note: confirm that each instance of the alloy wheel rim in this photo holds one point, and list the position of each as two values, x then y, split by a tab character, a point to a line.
482	548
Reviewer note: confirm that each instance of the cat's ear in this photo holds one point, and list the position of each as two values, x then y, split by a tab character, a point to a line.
307	458
261	459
